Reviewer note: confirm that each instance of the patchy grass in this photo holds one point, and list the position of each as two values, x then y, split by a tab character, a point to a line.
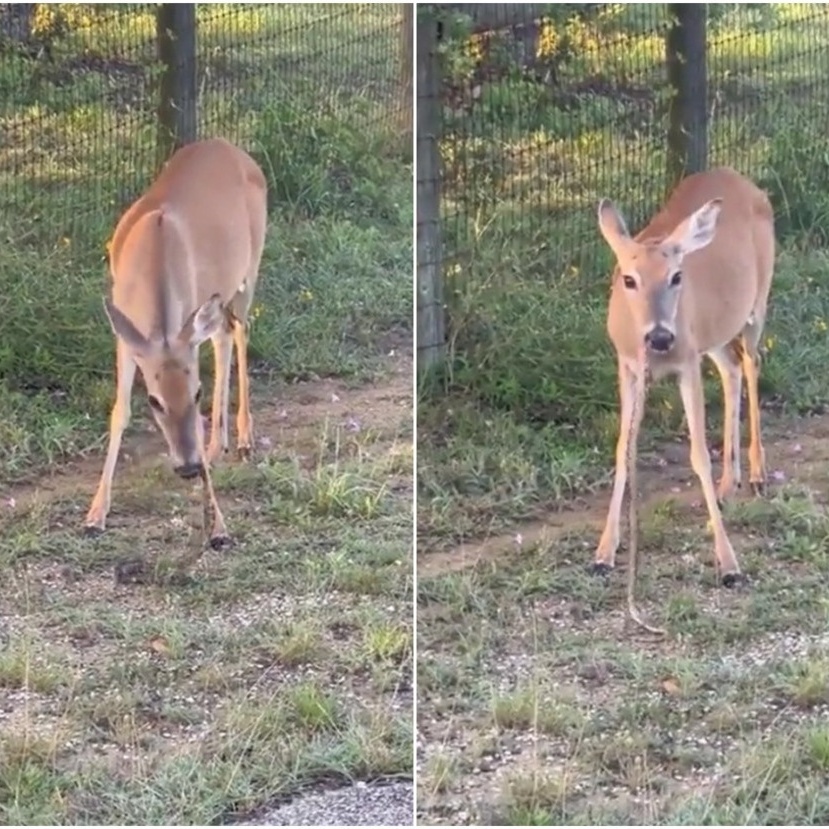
539	706
281	663
523	416
204	694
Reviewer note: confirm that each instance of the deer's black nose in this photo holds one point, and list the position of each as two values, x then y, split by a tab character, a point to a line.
659	339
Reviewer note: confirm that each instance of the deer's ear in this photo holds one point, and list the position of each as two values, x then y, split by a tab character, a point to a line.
697	231
612	225
123	328
203	323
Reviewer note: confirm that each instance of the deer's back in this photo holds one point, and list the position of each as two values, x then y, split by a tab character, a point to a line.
211	201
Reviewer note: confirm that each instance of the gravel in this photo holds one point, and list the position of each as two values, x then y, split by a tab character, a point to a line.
359	805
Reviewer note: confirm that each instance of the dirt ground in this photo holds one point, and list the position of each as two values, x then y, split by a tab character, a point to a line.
265	668
796	450
539	705
291	418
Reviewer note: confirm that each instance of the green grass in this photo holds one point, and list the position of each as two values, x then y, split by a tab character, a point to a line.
536	704
257	672
524	414
539	706
145	683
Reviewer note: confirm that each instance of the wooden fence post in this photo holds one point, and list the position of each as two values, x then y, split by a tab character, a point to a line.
685	55
430	311
176	33
406	106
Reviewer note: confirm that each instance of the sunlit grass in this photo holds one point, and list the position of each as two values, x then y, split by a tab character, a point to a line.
526	273
82	146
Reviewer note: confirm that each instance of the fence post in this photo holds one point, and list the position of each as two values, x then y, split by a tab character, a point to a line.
430	320
685	55
406	106
16	21
176	33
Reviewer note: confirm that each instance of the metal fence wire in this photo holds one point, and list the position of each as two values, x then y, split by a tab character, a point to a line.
542	109
80	132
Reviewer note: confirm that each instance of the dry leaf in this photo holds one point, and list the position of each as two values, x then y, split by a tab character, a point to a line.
671	686
160	645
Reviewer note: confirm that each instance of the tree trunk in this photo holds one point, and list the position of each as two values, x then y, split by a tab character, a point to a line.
176	31
685	54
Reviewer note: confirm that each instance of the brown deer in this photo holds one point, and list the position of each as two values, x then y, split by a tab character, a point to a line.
184	261
694	282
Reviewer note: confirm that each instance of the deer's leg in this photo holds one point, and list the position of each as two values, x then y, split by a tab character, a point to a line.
222	353
118	420
244	420
751	369
728	364
690	387
214	522
609	543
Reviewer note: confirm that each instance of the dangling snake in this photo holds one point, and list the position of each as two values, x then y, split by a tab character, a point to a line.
633	502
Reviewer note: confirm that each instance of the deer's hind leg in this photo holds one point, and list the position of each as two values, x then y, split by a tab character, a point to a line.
244	418
240	309
222	354
727	360
751	359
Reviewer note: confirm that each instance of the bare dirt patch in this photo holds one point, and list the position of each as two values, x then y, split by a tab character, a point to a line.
797	451
538	705
283	662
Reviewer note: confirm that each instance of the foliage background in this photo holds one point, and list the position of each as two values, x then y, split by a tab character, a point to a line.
539	120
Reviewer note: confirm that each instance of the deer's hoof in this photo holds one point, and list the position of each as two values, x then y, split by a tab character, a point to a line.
734	580
601	568
92	531
219	542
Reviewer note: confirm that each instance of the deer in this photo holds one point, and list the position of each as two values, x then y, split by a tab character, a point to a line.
694	282
184	262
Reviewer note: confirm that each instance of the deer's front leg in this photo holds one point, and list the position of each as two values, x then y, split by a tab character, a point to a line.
119	418
214	522
693	400
244	419
609	543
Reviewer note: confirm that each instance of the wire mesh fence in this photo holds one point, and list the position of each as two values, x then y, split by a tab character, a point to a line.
542	109
80	133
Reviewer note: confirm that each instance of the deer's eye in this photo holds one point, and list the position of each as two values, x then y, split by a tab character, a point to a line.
155	404
676	279
630	282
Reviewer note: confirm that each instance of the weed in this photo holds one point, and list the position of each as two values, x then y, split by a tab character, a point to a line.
721	721
25	666
524	414
544	710
201	697
387	643
810	686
